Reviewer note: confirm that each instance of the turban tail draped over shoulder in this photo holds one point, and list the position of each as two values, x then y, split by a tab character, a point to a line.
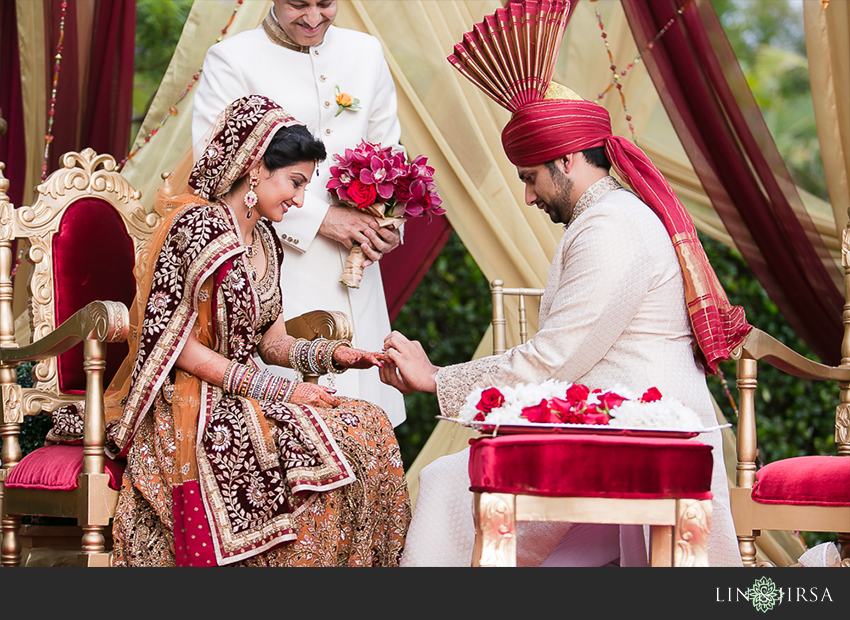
545	130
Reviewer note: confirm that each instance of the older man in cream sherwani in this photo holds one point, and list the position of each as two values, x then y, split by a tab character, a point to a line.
299	60
619	310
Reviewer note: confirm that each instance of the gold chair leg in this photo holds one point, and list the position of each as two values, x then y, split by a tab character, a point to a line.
693	525
93	541
747	545
10	549
95	560
495	529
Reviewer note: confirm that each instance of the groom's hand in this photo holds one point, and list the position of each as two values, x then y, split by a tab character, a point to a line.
409	369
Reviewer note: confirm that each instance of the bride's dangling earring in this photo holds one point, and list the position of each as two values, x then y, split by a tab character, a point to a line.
251	197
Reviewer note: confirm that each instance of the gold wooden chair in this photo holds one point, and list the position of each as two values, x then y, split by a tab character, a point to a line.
806	493
498	292
675	505
83	235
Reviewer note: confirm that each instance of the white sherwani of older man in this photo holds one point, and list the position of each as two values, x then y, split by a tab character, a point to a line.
304	84
613	314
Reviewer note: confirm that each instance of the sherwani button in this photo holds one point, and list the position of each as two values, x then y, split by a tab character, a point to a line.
322	77
328	131
327	104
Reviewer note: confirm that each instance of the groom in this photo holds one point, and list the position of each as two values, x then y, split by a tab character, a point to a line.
628	292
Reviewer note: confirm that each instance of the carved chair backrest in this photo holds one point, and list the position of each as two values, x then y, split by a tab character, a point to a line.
82	237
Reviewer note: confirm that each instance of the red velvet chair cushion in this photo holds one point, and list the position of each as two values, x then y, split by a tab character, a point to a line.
591	466
93	258
804	480
56	468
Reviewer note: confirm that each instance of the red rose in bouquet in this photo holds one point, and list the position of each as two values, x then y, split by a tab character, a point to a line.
610	400
597	417
361	194
567	411
491	398
577	393
379	181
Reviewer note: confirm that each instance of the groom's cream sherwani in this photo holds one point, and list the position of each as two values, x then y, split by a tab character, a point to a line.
304	85
613	314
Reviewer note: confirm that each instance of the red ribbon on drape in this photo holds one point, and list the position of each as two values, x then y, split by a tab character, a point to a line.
722	130
93	110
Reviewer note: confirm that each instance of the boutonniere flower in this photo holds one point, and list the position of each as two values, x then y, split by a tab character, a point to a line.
345	102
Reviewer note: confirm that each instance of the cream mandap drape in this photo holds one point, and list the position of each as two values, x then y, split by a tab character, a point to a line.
458	128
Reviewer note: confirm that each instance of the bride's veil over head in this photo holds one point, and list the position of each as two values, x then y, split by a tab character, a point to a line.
232	145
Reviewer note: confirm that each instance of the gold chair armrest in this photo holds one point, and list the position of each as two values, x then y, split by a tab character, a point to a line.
96	324
320	324
102	321
759	345
328	324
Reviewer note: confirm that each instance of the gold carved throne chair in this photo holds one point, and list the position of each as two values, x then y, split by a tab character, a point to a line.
81	236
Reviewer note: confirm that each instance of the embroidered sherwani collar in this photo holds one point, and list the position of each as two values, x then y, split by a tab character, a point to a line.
592	194
276	34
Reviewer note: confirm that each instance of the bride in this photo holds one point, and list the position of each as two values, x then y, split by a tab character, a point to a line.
226	463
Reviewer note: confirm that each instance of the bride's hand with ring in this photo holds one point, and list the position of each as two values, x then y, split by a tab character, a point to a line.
348	357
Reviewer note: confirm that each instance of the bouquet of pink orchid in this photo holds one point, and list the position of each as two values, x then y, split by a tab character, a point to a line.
380	181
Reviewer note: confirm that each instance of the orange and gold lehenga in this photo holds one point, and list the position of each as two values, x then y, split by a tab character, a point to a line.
218	479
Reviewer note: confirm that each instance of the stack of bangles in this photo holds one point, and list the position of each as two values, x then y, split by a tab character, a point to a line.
315	357
250	382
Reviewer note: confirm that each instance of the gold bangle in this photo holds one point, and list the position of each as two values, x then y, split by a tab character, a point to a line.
331	365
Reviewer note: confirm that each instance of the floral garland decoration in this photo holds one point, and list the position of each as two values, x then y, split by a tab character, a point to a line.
172	110
48	137
616	75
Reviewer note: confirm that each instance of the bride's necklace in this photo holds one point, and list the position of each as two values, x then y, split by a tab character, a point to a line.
252	251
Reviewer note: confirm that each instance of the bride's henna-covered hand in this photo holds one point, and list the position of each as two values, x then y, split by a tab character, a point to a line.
358	358
314	395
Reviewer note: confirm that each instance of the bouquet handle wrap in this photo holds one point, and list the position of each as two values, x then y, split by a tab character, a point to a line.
352	274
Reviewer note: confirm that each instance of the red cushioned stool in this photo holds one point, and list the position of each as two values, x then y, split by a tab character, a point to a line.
659	481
